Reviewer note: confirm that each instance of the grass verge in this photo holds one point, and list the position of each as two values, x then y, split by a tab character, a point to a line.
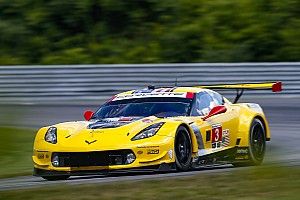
15	151
254	183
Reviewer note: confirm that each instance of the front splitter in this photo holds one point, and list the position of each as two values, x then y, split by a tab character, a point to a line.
154	168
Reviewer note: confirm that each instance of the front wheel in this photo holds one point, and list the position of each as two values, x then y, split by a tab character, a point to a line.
257	144
183	149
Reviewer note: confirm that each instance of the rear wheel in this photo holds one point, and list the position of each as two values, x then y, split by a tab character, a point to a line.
257	146
56	178
183	149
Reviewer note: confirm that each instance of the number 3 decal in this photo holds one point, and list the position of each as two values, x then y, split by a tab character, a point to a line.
216	134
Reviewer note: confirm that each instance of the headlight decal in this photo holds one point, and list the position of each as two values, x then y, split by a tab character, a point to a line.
148	132
51	135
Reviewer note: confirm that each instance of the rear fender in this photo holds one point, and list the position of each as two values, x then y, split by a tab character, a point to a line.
248	113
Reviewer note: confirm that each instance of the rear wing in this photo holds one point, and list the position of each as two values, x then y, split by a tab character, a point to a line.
274	86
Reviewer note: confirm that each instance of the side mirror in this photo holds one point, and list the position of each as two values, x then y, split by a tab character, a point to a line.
88	115
215	111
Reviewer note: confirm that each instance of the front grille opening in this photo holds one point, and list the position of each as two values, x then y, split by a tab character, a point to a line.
84	159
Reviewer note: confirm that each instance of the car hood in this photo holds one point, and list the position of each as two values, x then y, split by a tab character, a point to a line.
108	133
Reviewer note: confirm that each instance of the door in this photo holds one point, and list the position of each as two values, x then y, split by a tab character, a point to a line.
220	131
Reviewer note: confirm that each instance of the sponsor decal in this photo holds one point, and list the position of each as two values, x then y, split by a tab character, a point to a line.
242	151
162	90
41	156
145	90
147	120
225	138
110	123
150	149
126	119
107	120
140	152
153	151
216	145
242	157
242	154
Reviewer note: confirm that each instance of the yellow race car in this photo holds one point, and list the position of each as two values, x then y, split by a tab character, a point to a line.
176	128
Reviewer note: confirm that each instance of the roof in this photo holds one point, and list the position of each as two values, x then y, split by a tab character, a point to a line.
179	92
164	89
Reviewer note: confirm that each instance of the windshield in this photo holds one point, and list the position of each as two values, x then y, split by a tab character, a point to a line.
160	107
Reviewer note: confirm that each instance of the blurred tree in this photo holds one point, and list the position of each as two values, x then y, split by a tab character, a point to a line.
148	31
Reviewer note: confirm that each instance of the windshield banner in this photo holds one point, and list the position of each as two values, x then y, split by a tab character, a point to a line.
147	95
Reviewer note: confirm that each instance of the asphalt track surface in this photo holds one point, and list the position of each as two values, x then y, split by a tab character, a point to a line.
284	148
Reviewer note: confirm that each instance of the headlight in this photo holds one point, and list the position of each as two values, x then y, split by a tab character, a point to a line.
148	132
51	135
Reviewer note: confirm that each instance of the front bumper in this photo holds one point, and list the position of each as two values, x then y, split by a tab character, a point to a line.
146	155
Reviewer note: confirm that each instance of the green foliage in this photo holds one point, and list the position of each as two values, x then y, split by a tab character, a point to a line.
15	151
148	31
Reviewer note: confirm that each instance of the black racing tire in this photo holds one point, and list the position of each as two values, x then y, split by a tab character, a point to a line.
56	178
183	149
257	144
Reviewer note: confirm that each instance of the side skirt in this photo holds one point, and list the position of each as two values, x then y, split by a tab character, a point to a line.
216	158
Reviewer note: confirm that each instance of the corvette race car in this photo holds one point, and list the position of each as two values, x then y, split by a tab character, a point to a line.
176	128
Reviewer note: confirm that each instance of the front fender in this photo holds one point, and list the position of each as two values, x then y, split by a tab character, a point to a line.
170	129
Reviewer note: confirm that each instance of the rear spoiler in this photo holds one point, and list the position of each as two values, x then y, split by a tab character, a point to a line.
274	86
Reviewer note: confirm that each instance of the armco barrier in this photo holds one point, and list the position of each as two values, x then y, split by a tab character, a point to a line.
84	83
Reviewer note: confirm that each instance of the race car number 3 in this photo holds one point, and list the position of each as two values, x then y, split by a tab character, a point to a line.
216	134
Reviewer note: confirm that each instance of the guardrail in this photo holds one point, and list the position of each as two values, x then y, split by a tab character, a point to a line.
84	83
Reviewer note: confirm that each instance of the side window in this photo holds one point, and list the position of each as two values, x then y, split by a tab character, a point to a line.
203	104
217	98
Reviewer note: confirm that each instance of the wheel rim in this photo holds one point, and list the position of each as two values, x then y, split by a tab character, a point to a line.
258	142
182	148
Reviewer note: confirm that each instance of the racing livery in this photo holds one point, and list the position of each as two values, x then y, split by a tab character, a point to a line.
176	128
